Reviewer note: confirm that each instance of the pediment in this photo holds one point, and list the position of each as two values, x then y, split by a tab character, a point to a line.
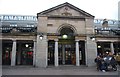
65	9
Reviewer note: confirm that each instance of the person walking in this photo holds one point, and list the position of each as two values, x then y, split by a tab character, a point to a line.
98	60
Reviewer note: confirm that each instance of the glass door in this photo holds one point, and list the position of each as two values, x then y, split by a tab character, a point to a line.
67	54
51	52
6	56
27	57
27	54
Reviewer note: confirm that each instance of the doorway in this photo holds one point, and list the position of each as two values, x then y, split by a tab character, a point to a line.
102	47
24	54
67	54
6	52
82	52
51	48
66	47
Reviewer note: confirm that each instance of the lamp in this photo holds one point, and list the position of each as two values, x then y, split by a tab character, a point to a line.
92	38
99	46
41	36
26	45
64	36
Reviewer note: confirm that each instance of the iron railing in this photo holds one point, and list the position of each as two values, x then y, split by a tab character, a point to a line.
5	29
107	31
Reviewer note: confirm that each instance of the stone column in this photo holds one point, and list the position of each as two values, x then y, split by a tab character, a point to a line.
34	53
77	53
42	44
91	51
112	47
56	52
41	51
13	55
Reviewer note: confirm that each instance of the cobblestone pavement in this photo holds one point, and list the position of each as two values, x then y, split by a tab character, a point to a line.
51	70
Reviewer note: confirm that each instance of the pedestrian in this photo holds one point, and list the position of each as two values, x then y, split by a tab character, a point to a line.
103	67
98	62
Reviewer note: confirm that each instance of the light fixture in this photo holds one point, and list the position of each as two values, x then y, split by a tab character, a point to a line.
6	51
7	48
64	36
26	45
92	38
30	47
99	46
41	37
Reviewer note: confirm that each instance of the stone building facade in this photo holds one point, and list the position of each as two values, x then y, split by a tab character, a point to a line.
66	19
62	35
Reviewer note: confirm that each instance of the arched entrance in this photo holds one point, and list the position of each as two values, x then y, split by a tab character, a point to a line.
66	47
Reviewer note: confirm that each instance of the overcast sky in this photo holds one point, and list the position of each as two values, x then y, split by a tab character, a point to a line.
99	8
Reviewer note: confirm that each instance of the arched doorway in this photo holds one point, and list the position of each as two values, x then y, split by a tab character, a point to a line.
66	47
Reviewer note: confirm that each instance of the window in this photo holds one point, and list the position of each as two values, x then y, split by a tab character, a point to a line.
13	25
30	25
49	24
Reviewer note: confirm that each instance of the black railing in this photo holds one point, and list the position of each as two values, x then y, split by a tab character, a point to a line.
98	31
107	31
18	29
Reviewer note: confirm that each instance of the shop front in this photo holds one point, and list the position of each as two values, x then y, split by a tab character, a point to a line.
17	52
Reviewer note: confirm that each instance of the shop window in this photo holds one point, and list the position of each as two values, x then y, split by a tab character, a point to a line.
30	25
13	25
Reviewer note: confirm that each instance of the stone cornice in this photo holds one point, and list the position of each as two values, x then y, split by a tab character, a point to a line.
62	5
68	17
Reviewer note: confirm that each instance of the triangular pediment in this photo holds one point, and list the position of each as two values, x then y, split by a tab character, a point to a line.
65	9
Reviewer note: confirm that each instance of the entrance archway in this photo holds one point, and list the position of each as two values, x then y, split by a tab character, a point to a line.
66	51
